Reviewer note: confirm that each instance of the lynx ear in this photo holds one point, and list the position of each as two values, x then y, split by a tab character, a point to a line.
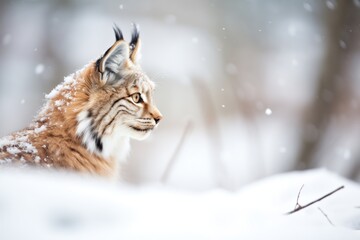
135	44
114	59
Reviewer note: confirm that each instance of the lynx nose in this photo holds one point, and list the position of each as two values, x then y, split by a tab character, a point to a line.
157	120
155	113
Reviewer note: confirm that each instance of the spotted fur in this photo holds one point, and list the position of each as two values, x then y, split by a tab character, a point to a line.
89	118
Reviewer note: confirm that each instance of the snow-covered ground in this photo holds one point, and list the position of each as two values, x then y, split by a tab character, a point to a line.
37	205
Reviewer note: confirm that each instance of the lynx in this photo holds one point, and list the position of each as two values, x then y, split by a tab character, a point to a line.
89	118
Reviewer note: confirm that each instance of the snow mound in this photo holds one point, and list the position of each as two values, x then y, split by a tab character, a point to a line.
51	205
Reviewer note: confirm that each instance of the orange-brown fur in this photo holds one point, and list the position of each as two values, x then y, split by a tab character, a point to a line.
52	139
61	134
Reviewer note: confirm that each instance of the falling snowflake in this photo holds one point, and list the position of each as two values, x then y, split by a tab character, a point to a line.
308	7
357	3
342	44
268	111
330	4
39	69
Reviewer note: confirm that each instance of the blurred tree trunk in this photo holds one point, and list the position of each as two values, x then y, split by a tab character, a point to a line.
355	170
328	89
212	125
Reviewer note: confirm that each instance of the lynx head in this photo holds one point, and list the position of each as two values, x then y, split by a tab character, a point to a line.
120	103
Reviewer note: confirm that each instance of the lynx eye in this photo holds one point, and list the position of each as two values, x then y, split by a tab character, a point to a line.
136	97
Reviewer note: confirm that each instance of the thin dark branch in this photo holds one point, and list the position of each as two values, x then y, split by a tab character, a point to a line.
297	199
173	158
326	216
298	208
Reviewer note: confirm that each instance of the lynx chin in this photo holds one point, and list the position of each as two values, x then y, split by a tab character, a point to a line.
89	118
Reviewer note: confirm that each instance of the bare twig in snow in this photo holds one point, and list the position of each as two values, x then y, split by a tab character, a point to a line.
299	207
297	199
174	156
326	216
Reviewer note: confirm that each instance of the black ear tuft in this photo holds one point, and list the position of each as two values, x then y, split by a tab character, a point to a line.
134	36
118	33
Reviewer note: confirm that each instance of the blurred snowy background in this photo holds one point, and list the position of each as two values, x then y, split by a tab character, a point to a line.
248	89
